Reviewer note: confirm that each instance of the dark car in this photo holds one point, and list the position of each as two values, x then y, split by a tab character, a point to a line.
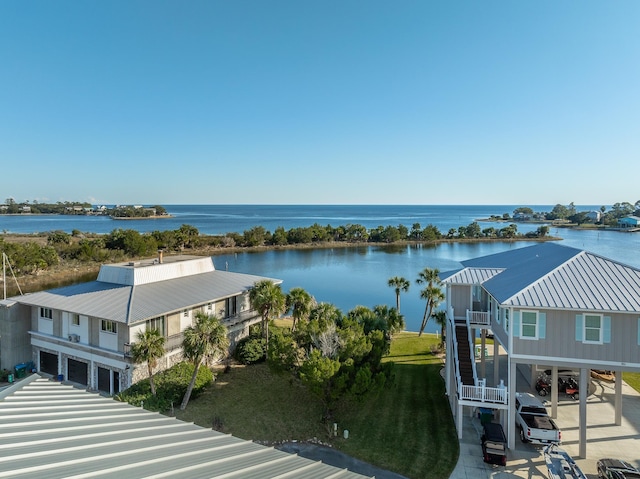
494	444
616	469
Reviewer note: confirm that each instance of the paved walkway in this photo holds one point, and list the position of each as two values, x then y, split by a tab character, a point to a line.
604	438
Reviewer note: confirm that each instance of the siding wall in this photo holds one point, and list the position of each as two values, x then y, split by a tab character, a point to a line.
460	299
560	340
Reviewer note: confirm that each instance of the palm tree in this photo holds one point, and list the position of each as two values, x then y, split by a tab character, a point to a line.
393	319
300	303
400	284
432	293
325	314
149	347
206	339
267	298
440	317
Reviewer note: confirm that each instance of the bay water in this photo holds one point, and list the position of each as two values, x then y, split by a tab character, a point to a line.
345	277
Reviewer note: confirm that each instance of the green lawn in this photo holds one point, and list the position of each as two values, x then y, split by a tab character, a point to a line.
632	379
407	428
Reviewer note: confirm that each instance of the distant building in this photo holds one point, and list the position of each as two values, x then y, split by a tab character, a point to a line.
629	222
521	217
594	216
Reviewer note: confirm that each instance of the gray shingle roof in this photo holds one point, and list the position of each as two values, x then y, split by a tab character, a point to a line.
53	430
130	304
549	275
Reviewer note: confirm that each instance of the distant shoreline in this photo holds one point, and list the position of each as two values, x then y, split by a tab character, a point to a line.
155	217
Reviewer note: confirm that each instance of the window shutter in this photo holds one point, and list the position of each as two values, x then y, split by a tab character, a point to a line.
542	325
516	324
579	322
606	329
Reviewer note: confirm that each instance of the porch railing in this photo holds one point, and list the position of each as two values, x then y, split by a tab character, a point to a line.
481	318
484	394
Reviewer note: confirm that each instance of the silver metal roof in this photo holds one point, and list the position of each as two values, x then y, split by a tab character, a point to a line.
130	304
470	275
53	430
553	276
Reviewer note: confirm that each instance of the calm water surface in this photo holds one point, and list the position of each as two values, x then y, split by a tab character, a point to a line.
346	277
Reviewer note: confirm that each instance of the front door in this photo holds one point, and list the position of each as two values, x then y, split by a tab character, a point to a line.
49	363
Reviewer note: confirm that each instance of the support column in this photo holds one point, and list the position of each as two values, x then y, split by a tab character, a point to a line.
483	342
618	398
496	362
459	420
511	429
554	392
584	392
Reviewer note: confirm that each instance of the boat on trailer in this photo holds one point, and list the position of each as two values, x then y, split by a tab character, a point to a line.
560	464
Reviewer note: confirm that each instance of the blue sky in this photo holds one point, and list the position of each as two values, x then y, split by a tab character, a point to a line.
320	102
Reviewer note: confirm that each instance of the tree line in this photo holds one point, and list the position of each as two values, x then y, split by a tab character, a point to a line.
570	214
79	208
120	244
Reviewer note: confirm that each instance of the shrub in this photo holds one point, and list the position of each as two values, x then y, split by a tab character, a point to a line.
250	350
171	386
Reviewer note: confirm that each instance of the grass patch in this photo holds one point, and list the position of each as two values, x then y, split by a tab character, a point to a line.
632	379
407	428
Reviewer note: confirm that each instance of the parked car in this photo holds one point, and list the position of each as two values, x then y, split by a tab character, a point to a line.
534	423
494	444
609	468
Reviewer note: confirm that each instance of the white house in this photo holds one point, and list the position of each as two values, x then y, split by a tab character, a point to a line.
83	332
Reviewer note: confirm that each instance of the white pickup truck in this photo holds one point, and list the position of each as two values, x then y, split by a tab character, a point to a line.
533	421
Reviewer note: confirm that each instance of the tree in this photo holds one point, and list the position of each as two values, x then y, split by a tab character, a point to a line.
392	317
149	347
525	210
440	317
399	284
267	298
300	303
205	340
432	293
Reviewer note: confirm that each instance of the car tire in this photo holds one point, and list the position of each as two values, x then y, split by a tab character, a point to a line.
523	438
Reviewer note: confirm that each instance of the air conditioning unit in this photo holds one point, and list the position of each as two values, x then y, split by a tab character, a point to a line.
74	338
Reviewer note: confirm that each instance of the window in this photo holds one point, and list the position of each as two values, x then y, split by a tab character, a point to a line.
185	313
231	306
209	306
75	319
592	328
108	326
506	320
529	324
46	313
157	324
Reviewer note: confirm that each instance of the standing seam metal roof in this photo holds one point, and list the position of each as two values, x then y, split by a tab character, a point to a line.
52	430
553	276
131	304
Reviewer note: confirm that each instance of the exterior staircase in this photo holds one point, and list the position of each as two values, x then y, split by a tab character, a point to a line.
464	354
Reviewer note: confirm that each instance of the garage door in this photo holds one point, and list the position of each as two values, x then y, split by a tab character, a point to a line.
49	363
77	371
104	380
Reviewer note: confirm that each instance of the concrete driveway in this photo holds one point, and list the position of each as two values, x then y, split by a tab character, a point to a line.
604	438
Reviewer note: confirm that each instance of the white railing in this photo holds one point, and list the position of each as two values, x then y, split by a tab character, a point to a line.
479	317
483	393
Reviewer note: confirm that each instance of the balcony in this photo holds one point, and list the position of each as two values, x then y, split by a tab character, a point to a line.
479	318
